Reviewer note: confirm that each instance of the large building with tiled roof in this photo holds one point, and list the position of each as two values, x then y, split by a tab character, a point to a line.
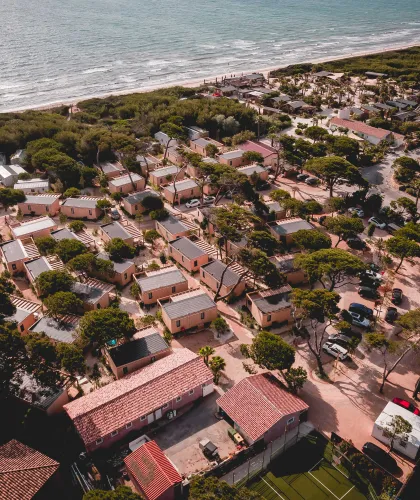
153	475
261	409
125	406
24	471
371	134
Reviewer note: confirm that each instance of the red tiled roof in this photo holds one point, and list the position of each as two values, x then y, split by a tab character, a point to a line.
23	471
258	147
112	407
361	127
152	470
258	402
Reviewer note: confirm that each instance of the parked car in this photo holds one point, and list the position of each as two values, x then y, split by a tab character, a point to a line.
115	215
208	200
193	203
322	219
368	292
371	274
302	177
337	338
263	186
356	243
361	309
377	222
407	405
391	314
397	296
369	282
358	211
380	456
311	181
374	267
335	350
358	320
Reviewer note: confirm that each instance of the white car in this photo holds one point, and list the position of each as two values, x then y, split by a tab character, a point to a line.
335	350
358	211
358	320
337	338
208	200
373	275
193	203
377	222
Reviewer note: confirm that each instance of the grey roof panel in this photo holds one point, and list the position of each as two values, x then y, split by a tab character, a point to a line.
187	248
138	349
13	251
173	225
56	330
160	280
182	185
37	266
40	200
216	269
19	315
87	293
135	198
188	306
119	267
63	234
292	226
273	303
115	230
163	172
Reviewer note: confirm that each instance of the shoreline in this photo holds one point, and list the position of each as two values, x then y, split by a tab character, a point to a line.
198	82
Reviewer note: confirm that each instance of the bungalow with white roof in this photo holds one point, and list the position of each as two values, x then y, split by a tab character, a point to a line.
199	145
185	190
371	134
165	175
147	163
125	185
233	158
81	208
18	157
187	310
155	285
111	170
284	229
250	170
115	230
33	186
41	204
9	174
35	228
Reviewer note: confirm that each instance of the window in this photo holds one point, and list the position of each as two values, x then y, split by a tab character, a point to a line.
47	208
178	323
202	315
98	306
191	392
125	370
170	249
125	276
120	190
178	399
173	289
290	421
142	418
22	328
230	163
182	258
29	207
203	274
192	191
150	295
72	210
90	212
14	267
136	207
203	385
99	441
153	359
403	443
195	263
114	433
269	317
165	406
130	424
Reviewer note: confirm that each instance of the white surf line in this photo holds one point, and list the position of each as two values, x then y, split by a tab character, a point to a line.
347	493
316	479
278	494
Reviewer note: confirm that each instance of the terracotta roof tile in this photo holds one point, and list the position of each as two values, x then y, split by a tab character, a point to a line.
152	470
23	471
361	127
258	402
112	407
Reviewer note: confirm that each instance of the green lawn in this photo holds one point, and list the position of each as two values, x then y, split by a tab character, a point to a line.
302	473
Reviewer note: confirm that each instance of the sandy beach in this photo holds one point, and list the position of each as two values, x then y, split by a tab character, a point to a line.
198	82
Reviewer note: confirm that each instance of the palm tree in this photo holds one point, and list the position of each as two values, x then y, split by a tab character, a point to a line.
217	364
205	352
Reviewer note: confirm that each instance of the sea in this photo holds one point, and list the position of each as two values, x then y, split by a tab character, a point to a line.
54	51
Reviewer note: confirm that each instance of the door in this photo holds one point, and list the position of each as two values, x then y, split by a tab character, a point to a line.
207	389
158	414
150	418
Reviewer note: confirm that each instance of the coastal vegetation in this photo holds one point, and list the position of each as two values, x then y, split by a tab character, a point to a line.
402	64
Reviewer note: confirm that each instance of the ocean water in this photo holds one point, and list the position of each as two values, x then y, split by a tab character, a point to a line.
64	50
